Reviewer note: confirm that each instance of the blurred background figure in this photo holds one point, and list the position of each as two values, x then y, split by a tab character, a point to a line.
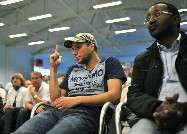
37	92
15	101
27	83
2	94
61	78
46	79
9	84
125	85
1	86
131	70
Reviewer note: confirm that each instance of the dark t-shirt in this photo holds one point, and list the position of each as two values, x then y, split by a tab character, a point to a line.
81	82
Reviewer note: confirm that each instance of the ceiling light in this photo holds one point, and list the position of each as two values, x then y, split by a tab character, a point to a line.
107	5
182	10
6	2
40	17
58	29
125	31
2	24
68	38
17	35
37	42
183	23
117	20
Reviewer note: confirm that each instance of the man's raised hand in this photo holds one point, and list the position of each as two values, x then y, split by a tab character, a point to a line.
55	58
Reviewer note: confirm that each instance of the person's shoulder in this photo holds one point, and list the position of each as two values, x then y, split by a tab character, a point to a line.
183	38
183	33
23	88
11	89
2	90
109	58
45	85
76	65
143	54
148	51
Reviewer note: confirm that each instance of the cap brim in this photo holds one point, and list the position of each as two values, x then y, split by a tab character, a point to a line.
68	43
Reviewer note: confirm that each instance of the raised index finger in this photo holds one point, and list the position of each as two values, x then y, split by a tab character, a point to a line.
56	50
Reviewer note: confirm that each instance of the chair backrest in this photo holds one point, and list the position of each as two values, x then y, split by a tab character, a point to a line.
107	119
33	112
118	117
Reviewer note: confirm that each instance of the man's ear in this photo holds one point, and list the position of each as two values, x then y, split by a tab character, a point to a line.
92	46
177	19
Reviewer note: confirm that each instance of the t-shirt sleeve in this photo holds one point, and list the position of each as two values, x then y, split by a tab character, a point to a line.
28	96
114	69
64	83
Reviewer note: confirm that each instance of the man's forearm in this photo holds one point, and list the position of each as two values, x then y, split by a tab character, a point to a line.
53	86
28	106
100	99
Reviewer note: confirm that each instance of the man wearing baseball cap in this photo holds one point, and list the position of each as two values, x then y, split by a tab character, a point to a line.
81	37
78	100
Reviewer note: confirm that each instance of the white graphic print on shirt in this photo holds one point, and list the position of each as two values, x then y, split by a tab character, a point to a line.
84	82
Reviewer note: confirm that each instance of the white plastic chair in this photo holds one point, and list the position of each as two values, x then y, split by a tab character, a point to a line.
107	119
33	112
120	124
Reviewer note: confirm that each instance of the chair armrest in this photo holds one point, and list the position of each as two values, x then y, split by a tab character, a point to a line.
118	117
35	108
104	109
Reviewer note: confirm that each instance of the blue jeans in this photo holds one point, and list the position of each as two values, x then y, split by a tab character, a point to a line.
9	120
23	116
66	121
145	126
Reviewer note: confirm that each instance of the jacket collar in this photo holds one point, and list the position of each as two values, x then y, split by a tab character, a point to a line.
183	46
154	49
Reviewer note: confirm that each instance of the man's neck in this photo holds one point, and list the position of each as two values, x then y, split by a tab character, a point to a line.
37	88
93	62
167	41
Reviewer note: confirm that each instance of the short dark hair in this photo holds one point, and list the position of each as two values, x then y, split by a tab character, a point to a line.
172	9
95	47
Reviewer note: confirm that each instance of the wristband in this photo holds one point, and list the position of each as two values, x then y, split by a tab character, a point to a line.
35	96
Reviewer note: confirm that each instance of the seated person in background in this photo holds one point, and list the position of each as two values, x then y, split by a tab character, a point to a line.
37	92
125	85
46	79
27	83
1	86
2	102
15	101
130	72
9	84
79	98
61	78
2	94
158	91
